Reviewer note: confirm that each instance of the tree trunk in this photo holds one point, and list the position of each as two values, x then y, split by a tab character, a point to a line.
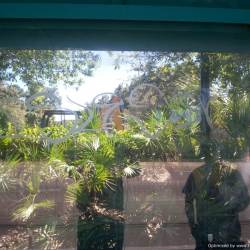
204	99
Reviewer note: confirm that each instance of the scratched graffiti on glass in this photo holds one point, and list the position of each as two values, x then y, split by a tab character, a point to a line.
143	97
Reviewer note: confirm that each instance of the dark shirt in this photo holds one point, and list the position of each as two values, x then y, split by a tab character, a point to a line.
215	194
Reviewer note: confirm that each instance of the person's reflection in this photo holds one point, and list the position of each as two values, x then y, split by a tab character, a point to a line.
215	193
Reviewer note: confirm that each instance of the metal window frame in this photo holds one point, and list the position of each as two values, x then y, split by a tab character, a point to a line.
123	27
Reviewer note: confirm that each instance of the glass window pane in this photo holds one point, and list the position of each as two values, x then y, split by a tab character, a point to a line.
124	150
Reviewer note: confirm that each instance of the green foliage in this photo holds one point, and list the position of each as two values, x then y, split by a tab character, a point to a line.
35	67
32	175
37	164
93	162
231	121
172	73
12	107
99	232
231	71
77	194
31	143
30	203
24	73
94	154
237	118
3	120
157	137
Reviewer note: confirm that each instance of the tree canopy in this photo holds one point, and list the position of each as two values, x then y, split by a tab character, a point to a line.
23	73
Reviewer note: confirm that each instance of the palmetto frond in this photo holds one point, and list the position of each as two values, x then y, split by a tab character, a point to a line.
131	170
28	208
6	182
100	179
237	117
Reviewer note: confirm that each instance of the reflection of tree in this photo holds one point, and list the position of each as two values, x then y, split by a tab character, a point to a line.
170	72
225	75
12	105
32	70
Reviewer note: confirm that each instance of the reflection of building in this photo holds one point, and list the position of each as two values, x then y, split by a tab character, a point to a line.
61	115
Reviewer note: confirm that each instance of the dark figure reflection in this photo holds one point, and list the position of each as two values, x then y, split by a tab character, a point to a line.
215	194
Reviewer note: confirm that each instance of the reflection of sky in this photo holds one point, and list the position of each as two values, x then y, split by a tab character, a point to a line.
105	79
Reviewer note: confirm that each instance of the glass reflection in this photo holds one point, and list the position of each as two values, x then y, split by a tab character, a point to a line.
124	150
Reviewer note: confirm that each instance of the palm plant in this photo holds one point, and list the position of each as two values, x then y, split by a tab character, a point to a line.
95	167
29	205
161	136
95	156
236	119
